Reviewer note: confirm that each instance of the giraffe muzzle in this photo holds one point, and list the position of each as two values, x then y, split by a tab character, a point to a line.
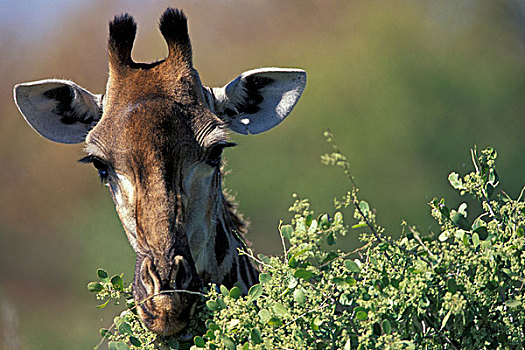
163	303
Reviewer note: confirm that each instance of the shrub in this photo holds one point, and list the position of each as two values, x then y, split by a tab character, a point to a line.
461	288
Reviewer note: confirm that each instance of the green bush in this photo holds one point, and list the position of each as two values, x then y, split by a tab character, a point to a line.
460	288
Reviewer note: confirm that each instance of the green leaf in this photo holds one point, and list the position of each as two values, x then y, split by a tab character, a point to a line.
351	281
235	293
330	239
387	327
212	325
255	336
255	292
482	232
210	335
513	303
365	208
360	225
443	236
298	296
103	275
103	305
324	221
292	262
135	342
221	303
460	220
309	220
104	332
292	282
173	343
265	278
338	218
452	285
212	305
445	319
339	281
286	231
95	287
455	181
303	273
520	231
264	315
125	328
475	239
280	310
274	321
228	343
264	259
117	346
224	291
462	209
117	283
199	342
352	266
361	315
316	323
313	226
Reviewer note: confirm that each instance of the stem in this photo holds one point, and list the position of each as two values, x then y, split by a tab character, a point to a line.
347	254
253	257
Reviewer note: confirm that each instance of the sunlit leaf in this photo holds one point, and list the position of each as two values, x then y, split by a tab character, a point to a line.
95	287
303	273
255	292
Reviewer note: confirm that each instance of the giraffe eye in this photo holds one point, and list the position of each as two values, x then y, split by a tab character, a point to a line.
214	154
102	167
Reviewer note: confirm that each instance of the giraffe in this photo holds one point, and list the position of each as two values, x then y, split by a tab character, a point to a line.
156	137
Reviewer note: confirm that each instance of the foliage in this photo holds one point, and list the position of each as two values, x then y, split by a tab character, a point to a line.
461	288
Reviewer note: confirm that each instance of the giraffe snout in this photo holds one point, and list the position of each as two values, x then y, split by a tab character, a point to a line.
164	304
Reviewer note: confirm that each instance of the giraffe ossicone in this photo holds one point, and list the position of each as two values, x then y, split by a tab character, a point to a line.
156	136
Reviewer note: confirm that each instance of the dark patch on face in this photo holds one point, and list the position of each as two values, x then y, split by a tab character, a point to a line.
253	87
245	265
221	244
231	276
64	95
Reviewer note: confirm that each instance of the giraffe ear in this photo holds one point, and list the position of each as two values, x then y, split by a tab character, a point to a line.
59	110
258	100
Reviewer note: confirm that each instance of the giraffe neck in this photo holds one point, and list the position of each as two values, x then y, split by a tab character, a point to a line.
220	262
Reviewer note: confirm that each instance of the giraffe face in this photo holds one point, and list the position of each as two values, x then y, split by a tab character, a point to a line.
156	138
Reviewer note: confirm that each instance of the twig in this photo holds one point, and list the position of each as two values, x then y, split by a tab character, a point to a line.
253	257
418	239
521	194
283	243
347	254
355	201
322	306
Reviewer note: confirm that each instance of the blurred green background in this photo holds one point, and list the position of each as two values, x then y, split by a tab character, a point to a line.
407	87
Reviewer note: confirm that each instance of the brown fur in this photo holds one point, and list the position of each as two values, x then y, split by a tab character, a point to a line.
155	127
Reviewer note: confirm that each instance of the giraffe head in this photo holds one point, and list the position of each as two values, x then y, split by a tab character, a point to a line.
156	138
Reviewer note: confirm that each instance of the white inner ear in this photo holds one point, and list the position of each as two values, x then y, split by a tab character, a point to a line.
259	99
44	113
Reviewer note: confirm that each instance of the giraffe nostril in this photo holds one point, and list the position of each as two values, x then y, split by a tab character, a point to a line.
161	304
183	276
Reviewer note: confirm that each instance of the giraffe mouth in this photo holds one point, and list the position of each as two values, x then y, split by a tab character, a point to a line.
165	305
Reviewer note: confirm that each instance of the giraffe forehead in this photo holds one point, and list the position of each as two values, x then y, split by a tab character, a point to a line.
147	131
